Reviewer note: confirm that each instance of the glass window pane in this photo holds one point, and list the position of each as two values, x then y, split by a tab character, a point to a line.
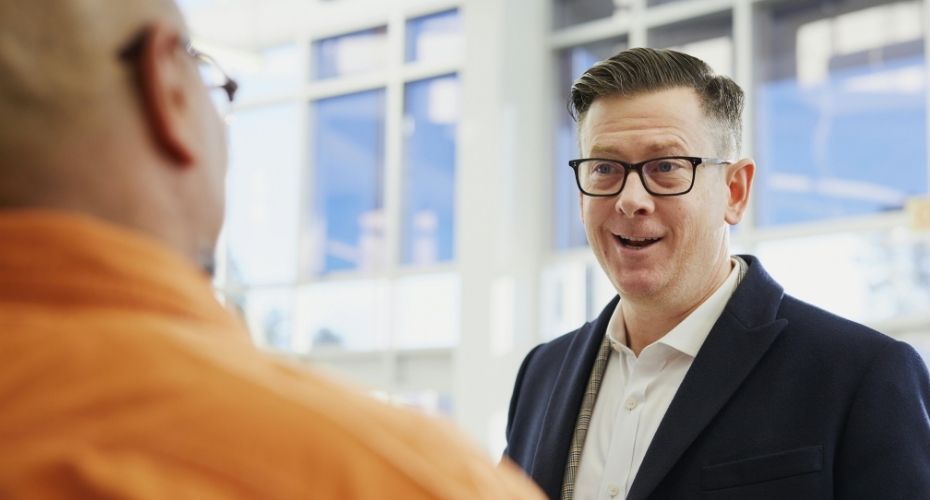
350	315
841	110
426	311
269	314
867	277
430	122
568	232
564	299
345	230
350	54
437	37
570	12
707	38
273	72
263	189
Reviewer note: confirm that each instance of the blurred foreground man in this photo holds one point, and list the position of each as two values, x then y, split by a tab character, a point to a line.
120	375
702	379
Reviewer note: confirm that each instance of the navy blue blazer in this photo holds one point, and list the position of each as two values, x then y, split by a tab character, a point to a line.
784	401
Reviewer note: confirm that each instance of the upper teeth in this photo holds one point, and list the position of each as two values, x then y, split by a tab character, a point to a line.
631	238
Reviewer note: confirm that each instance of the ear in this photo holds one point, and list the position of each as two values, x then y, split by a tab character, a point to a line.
164	81
739	184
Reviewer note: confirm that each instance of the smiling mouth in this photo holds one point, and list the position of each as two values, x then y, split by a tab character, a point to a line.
636	243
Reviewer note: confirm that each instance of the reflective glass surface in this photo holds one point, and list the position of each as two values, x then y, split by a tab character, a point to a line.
436	37
263	187
432	110
864	276
840	110
350	54
350	315
345	226
568	232
572	293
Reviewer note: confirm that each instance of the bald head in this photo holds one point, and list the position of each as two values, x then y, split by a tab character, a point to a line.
129	138
59	70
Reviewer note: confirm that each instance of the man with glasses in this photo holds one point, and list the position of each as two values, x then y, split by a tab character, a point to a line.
703	379
120	374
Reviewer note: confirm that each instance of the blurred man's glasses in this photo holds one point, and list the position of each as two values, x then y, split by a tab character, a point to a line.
665	176
222	87
215	79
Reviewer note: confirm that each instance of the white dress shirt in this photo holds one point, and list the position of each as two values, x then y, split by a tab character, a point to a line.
636	392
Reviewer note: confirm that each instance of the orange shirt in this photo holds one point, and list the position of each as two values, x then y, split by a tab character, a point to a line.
122	377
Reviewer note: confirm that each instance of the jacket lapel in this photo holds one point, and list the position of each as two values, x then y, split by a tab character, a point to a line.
558	425
736	343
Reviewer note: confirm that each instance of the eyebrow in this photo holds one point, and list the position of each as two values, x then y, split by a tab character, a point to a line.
669	147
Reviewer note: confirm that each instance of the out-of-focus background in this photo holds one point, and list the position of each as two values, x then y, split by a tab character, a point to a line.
401	213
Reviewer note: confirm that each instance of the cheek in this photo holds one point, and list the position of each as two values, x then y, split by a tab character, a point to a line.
594	212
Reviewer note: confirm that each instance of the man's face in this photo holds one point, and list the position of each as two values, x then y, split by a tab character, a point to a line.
656	248
213	140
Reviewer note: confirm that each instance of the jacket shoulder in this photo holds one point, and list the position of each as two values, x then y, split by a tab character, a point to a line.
829	337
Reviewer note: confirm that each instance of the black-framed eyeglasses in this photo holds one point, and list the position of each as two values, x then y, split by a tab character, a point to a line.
664	176
214	78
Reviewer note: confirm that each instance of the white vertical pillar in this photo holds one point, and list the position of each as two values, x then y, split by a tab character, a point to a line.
743	49
638	30
502	204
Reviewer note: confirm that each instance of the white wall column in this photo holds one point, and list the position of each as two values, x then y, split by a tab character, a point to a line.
502	206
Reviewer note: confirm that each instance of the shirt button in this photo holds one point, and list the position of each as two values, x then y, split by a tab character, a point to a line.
631	403
613	490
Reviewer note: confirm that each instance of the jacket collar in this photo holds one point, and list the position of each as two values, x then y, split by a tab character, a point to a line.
736	343
551	455
65	259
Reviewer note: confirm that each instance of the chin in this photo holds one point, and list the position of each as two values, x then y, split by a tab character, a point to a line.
636	284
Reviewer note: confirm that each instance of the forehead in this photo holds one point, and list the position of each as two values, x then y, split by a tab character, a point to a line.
656	123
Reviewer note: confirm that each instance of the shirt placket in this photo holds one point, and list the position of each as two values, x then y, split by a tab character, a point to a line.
626	443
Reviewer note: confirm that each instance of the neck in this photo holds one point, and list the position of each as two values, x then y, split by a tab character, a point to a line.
647	320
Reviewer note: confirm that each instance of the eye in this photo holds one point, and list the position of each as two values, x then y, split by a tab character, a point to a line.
665	167
604	168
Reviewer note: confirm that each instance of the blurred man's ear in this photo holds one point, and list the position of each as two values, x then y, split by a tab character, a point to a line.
164	77
739	185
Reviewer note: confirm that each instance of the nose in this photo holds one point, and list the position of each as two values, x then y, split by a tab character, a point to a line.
634	199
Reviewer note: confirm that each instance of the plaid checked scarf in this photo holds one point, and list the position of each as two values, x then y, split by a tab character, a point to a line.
584	419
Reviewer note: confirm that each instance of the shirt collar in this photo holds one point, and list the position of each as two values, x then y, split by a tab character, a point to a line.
688	336
102	265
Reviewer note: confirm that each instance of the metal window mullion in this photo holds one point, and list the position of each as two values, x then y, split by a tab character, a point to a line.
845	225
743	48
590	32
676	12
638	29
393	169
420	9
413	72
306	179
926	25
